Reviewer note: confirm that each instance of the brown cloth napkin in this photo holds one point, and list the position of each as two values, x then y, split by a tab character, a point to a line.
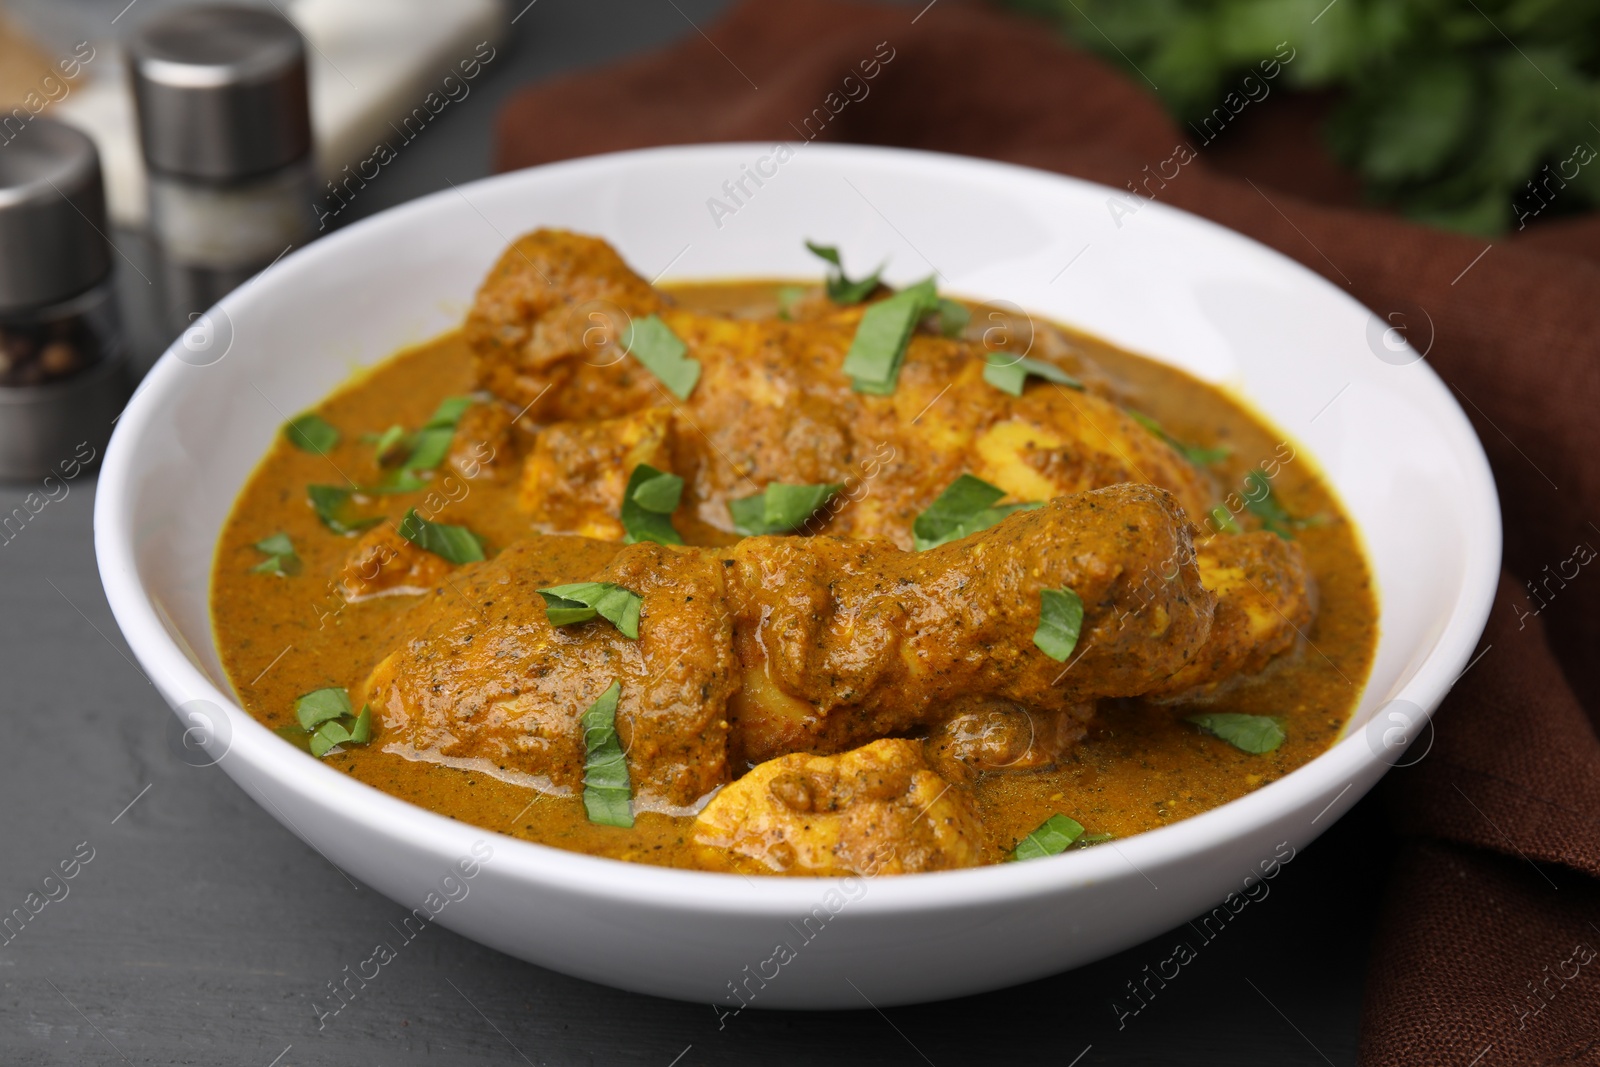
1485	955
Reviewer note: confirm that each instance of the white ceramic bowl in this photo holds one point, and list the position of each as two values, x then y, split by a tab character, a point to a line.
1155	280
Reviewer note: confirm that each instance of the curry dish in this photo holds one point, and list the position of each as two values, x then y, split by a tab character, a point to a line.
789	579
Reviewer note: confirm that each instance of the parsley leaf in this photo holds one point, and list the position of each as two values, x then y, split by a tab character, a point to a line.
276	545
568	604
647	506
1053	836
455	543
420	451
281	558
965	507
391	446
879	346
779	508
429	448
320	706
788	296
953	317
448	414
1258	497
1195	454
841	290
1248	733
325	722
333	506
1450	135
1009	373
652	343
606	790
1060	623
311	433
295	735
404	480
1222	519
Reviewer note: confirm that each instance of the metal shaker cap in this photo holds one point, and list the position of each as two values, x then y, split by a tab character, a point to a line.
52	216
221	91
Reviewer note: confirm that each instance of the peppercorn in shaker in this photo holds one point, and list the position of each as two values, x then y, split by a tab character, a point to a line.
63	375
226	133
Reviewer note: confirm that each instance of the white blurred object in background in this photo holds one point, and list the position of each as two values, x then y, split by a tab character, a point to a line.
372	63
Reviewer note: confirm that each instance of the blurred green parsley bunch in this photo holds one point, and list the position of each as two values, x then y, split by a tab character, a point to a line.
1449	109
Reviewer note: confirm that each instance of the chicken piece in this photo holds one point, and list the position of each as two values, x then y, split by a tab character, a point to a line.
484	677
874	810
1000	737
384	564
483	445
845	641
785	644
773	405
1266	597
573	480
556	302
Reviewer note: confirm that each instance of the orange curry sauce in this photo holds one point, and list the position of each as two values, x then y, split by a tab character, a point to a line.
1140	767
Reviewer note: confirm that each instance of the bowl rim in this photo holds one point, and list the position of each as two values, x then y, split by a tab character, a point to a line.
1325	778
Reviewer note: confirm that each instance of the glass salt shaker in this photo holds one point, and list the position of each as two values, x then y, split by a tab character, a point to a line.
225	128
63	373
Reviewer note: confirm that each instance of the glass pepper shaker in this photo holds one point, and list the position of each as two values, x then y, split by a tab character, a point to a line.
225	128
63	375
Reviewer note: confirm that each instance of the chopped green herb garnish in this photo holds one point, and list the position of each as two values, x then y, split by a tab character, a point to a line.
1201	456
325	722
1248	733
568	604
879	347
455	543
965	507
332	505
1196	454
343	731
278	544
841	290
429	448
1060	622
322	705
391	446
296	735
311	433
647	506
779	508
1054	836
361	732
420	451
652	343
606	792
827	252
788	297
327	737
1258	497
277	565
1222	519
1009	373
953	317
449	412
1093	839
281	558
404	480
659	494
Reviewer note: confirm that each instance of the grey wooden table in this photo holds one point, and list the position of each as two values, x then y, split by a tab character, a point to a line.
200	931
